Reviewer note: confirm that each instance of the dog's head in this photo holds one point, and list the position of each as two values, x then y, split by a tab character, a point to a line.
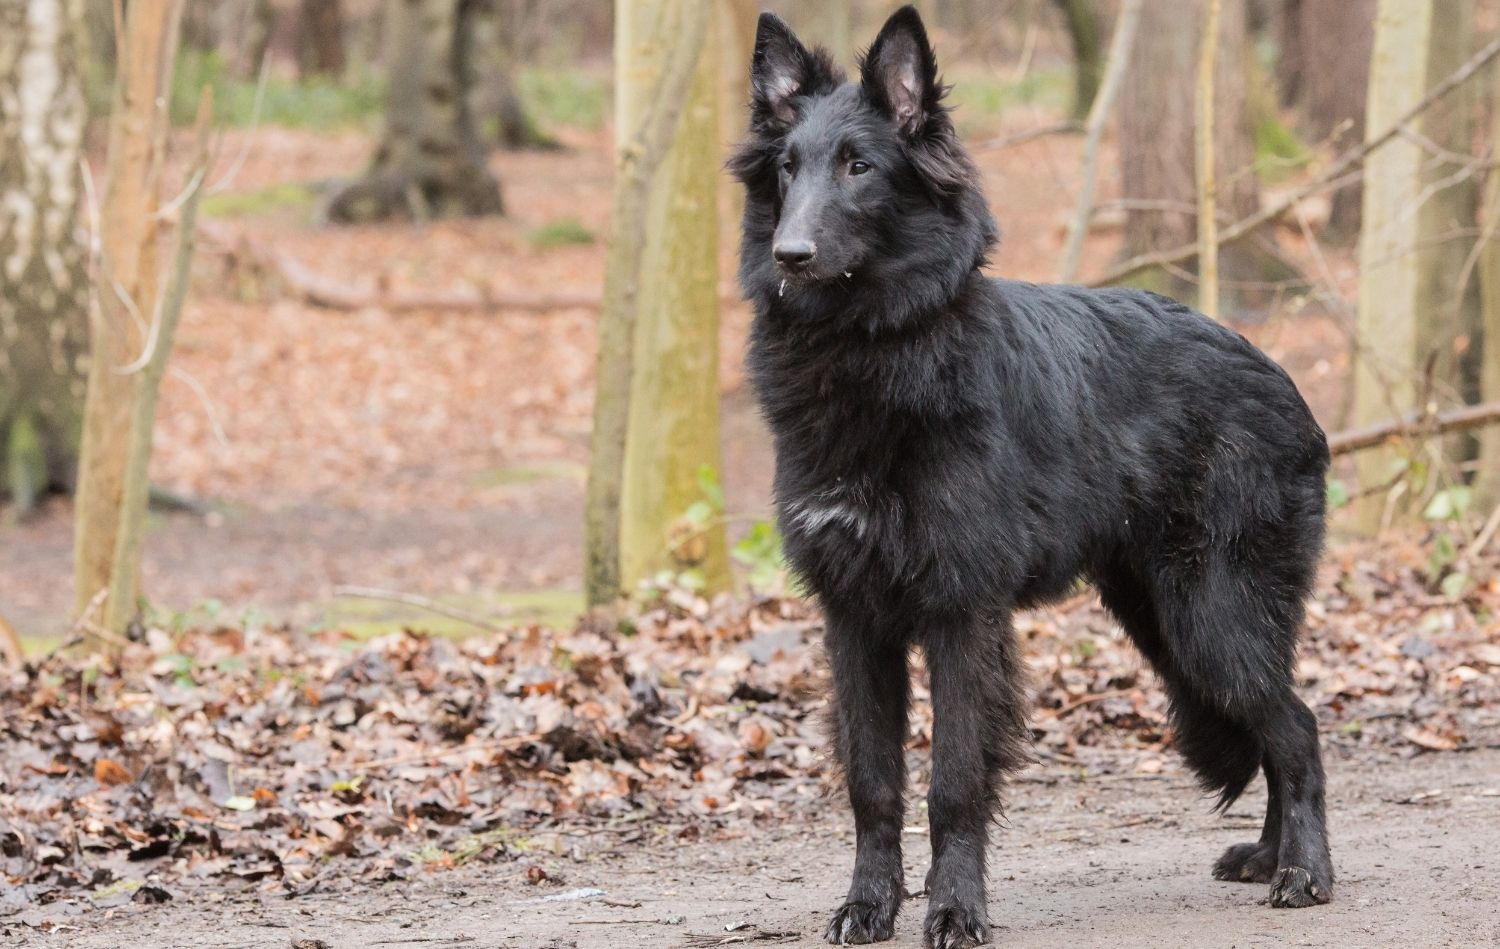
847	175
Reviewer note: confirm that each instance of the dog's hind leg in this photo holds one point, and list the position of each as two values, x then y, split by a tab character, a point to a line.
1233	713
1230	641
871	681
1255	861
977	736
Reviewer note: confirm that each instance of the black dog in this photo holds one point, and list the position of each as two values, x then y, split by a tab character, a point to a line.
950	448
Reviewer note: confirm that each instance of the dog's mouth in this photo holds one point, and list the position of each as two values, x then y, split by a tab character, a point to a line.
808	276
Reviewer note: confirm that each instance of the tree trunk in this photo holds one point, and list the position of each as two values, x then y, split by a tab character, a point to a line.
127	298
1409	318
43	262
1487	478
496	92
1330	86
1157	149
429	162
320	37
834	30
656	420
1086	31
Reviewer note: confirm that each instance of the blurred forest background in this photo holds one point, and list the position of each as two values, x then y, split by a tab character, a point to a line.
390	248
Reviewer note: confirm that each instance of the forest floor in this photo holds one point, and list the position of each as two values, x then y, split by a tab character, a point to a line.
1118	861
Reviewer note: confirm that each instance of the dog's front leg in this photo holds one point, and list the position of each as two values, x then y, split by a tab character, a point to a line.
977	735
871	690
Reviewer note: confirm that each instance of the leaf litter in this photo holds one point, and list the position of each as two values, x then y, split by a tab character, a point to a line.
282	761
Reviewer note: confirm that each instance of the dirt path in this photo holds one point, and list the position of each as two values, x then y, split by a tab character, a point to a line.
1119	861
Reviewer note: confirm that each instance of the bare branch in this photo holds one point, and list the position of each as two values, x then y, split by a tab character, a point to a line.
1119	54
1349	160
1415	425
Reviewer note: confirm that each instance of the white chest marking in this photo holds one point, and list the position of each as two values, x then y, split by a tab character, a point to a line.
822	510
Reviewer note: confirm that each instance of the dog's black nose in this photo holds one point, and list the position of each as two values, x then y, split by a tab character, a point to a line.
794	255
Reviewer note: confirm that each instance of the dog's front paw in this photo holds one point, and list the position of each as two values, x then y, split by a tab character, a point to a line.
858	922
1247	863
955	927
1294	888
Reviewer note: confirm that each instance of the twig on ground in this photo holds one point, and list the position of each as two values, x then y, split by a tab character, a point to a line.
497	744
421	602
10	645
1080	702
1485	535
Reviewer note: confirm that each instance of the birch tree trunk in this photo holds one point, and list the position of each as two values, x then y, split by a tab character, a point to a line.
43	268
429	162
656	420
1410	262
127	299
1487	479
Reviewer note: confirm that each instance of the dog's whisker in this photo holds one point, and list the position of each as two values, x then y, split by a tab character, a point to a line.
782	291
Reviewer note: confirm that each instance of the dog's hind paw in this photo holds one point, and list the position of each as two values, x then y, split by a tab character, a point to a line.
1247	863
954	927
1294	888
856	923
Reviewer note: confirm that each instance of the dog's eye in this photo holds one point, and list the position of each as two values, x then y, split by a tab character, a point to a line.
858	167
788	167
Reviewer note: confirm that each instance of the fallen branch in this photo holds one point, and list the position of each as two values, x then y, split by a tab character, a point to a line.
1414	425
1349	160
320	290
510	743
420	602
1068	127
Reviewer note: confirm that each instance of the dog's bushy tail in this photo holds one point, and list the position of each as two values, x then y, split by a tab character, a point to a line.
1222	753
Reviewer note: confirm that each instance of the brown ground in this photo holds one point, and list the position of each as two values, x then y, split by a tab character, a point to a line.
1107	861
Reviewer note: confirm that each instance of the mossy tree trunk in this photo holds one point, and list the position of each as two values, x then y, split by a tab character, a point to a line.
429	162
1410	316
656	415
43	260
1086	32
495	99
1157	146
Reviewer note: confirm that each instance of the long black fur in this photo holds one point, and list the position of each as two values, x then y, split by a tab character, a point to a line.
951	448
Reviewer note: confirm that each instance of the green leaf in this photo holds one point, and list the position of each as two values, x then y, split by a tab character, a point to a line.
699	513
1454	584
1448	505
708	480
1338	494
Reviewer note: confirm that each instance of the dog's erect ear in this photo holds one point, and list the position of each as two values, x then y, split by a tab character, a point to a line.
899	73
782	69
